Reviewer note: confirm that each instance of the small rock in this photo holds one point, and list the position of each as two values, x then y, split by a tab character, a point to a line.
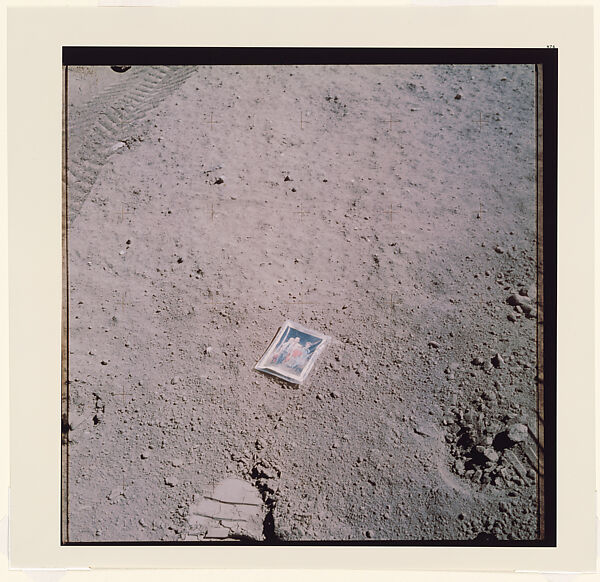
208	350
369	533
527	308
175	380
500	250
517	433
180	260
518	300
260	444
319	397
335	394
511	317
104	363
490	454
433	344
287	179
113	494
498	361
458	97
171	481
177	462
477	361
452	367
219	180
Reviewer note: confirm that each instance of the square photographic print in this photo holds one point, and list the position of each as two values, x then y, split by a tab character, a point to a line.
293	352
387	216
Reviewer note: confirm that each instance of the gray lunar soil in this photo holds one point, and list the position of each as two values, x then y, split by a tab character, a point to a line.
392	208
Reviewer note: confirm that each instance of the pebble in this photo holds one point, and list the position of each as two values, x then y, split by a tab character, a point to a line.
369	533
104	363
511	317
171	481
260	444
458	97
175	380
500	250
477	361
517	433
208	350
433	344
518	300
528	309
319	397
335	394
498	361
113	494
490	454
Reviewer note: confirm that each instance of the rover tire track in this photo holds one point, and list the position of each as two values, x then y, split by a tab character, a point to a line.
94	127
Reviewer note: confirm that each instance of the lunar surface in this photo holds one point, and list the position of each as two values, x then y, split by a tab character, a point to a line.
392	208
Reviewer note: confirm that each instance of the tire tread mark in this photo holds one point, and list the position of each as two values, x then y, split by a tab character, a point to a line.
99	122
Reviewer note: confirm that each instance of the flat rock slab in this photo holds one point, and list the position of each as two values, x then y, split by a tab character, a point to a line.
234	509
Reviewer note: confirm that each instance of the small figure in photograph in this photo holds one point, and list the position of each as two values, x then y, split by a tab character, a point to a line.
297	357
282	352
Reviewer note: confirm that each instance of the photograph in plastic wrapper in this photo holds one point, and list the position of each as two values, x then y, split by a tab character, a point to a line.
293	352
